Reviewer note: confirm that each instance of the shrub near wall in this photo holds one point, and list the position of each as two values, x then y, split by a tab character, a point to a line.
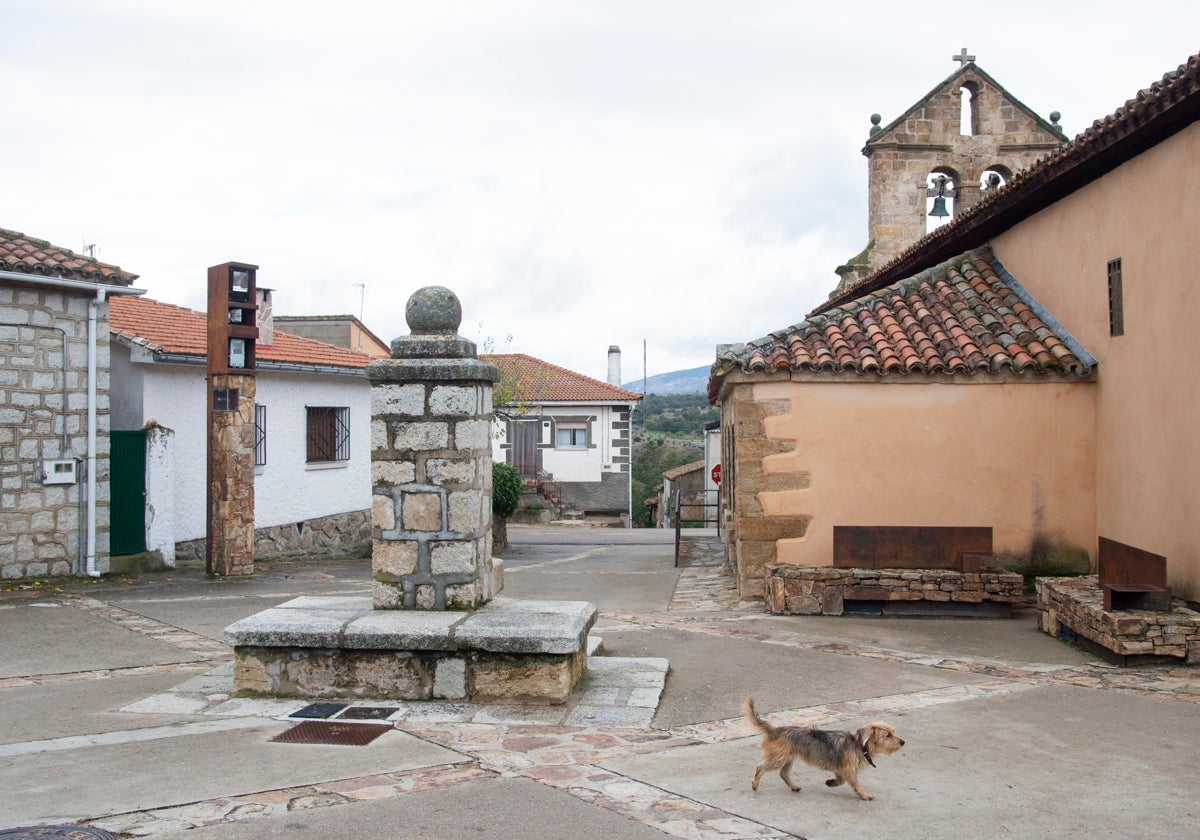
506	496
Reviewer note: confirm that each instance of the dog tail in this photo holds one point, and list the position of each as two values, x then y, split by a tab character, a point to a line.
752	716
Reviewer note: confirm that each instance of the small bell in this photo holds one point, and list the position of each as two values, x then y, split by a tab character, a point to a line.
939	207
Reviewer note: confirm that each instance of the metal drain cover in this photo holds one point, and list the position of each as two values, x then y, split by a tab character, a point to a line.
368	713
72	832
319	710
332	732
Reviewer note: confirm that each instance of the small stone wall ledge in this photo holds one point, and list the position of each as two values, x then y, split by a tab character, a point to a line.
823	590
1073	608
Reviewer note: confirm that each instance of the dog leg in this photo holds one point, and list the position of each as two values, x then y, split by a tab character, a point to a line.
835	781
852	778
785	773
758	771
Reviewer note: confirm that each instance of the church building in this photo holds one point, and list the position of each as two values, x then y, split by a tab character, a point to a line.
1019	370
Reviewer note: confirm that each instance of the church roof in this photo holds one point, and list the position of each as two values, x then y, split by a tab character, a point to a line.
181	335
1156	113
541	382
26	255
965	317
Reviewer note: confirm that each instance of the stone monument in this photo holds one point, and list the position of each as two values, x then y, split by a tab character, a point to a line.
433	627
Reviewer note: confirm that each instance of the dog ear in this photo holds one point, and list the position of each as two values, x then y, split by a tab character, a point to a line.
863	735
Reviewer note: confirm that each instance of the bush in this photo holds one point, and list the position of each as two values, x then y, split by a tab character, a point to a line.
506	489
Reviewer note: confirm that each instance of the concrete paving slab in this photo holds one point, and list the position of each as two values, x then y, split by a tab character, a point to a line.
49	638
1015	639
1046	763
500	808
56	710
617	579
72	784
200	613
711	675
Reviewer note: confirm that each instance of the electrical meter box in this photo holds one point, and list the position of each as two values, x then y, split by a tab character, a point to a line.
58	472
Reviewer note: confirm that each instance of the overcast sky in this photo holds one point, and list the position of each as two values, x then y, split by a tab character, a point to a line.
580	173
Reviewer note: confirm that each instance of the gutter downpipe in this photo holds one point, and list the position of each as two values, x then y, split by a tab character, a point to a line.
102	290
93	310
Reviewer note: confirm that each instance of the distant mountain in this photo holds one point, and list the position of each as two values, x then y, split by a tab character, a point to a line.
694	381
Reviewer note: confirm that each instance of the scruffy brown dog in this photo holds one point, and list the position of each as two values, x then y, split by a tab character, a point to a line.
841	753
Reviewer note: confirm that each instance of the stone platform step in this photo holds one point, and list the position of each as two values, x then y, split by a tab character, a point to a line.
318	646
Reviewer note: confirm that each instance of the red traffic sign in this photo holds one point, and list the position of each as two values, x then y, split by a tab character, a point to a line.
716	474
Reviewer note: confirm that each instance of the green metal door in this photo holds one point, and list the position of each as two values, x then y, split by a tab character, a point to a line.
127	474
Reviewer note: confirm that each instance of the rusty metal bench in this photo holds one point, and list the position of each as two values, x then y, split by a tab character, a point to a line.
911	547
1132	579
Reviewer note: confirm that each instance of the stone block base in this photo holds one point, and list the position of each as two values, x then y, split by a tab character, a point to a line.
1073	609
828	590
333	646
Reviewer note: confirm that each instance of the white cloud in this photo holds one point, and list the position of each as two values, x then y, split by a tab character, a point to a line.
580	173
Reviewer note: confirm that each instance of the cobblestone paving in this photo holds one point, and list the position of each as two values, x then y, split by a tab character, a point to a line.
566	748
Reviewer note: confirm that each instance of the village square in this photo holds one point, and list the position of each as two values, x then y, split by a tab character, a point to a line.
270	575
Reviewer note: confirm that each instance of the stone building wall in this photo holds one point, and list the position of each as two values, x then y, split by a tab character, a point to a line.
41	525
752	534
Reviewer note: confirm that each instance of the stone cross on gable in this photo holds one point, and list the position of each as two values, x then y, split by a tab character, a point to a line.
962	57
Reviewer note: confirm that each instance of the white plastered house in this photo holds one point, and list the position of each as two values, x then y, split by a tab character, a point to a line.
312	485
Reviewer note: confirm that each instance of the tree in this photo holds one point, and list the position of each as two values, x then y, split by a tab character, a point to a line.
506	496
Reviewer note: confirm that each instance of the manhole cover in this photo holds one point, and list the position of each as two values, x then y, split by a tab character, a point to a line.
332	732
368	713
319	710
73	832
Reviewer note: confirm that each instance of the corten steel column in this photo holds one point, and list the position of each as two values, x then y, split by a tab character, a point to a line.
431	465
232	332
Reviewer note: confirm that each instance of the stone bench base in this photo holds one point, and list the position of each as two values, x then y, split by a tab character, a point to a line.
828	590
1073	609
338	646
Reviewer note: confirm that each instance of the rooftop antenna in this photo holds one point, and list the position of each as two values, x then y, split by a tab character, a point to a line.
90	248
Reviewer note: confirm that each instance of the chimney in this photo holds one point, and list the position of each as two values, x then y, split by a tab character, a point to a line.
614	365
266	320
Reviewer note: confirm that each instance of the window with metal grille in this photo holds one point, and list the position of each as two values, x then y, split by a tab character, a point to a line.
1116	305
328	433
260	435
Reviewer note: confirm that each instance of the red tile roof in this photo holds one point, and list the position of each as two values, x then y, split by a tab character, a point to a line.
38	257
1166	107
171	330
540	381
965	317
684	470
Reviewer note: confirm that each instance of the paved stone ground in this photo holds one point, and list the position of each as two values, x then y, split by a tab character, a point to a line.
579	750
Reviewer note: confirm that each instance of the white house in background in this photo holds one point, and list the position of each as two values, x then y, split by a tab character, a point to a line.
312	487
567	430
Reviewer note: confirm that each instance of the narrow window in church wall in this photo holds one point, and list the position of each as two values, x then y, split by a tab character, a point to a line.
968	122
1116	305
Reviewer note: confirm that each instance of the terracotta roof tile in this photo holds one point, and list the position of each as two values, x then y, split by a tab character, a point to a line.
166	329
1155	113
541	381
965	317
684	470
38	257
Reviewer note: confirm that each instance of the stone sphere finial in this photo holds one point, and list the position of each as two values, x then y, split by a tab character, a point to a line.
1055	117
875	121
433	310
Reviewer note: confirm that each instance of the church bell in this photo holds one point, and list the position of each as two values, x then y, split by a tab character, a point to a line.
939	207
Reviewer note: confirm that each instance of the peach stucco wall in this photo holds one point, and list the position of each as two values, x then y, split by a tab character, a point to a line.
1147	213
1015	457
